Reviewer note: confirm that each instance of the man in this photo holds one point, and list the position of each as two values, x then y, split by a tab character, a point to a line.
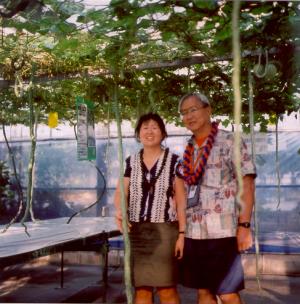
218	227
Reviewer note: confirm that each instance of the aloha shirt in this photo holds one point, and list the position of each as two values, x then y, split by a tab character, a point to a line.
212	210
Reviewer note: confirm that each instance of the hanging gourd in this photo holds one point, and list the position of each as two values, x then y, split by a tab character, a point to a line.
53	119
271	71
267	71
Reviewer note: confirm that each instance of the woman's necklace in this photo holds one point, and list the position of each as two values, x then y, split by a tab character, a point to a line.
192	173
149	184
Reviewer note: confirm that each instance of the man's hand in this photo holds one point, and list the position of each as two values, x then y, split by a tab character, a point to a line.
244	235
244	238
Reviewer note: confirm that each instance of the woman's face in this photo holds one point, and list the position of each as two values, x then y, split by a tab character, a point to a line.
150	134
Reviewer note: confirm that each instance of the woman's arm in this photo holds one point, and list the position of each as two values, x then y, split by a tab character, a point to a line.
180	199
117	202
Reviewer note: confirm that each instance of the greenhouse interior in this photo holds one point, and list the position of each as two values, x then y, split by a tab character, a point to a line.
76	76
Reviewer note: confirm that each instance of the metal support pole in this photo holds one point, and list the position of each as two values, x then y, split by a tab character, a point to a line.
105	259
104	252
62	269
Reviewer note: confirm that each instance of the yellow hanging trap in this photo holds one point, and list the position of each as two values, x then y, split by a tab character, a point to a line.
53	119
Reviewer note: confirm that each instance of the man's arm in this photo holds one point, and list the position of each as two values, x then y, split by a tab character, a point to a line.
244	235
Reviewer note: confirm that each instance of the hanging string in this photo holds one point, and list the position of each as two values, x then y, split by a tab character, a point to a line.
106	158
253	153
277	164
189	80
98	198
18	183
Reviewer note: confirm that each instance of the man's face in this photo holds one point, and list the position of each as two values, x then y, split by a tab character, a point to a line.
195	115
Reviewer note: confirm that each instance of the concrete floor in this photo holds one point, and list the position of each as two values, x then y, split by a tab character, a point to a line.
39	282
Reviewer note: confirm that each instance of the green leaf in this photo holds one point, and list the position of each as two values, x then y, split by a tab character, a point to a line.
65	44
71	8
60	29
144	23
92	15
210	4
166	36
261	9
49	44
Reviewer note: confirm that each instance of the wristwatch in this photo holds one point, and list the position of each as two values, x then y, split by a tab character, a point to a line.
244	224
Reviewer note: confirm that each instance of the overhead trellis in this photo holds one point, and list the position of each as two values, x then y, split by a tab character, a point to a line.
159	36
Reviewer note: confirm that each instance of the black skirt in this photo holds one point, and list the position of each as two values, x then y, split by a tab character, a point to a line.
153	260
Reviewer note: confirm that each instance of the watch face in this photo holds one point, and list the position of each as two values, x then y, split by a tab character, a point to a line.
246	224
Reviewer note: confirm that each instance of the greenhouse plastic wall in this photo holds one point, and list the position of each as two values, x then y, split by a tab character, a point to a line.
64	185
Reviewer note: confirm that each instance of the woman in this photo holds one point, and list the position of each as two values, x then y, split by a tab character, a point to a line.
156	213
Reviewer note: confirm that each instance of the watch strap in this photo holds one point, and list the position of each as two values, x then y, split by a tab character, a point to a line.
244	224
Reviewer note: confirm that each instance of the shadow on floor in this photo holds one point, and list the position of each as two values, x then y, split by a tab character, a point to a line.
36	283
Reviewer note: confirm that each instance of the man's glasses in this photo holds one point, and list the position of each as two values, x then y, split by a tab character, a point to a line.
191	110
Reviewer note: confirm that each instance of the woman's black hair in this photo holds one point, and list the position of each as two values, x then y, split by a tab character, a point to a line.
147	117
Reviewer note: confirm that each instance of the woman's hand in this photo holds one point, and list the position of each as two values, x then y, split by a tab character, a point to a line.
117	202
179	246
118	218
